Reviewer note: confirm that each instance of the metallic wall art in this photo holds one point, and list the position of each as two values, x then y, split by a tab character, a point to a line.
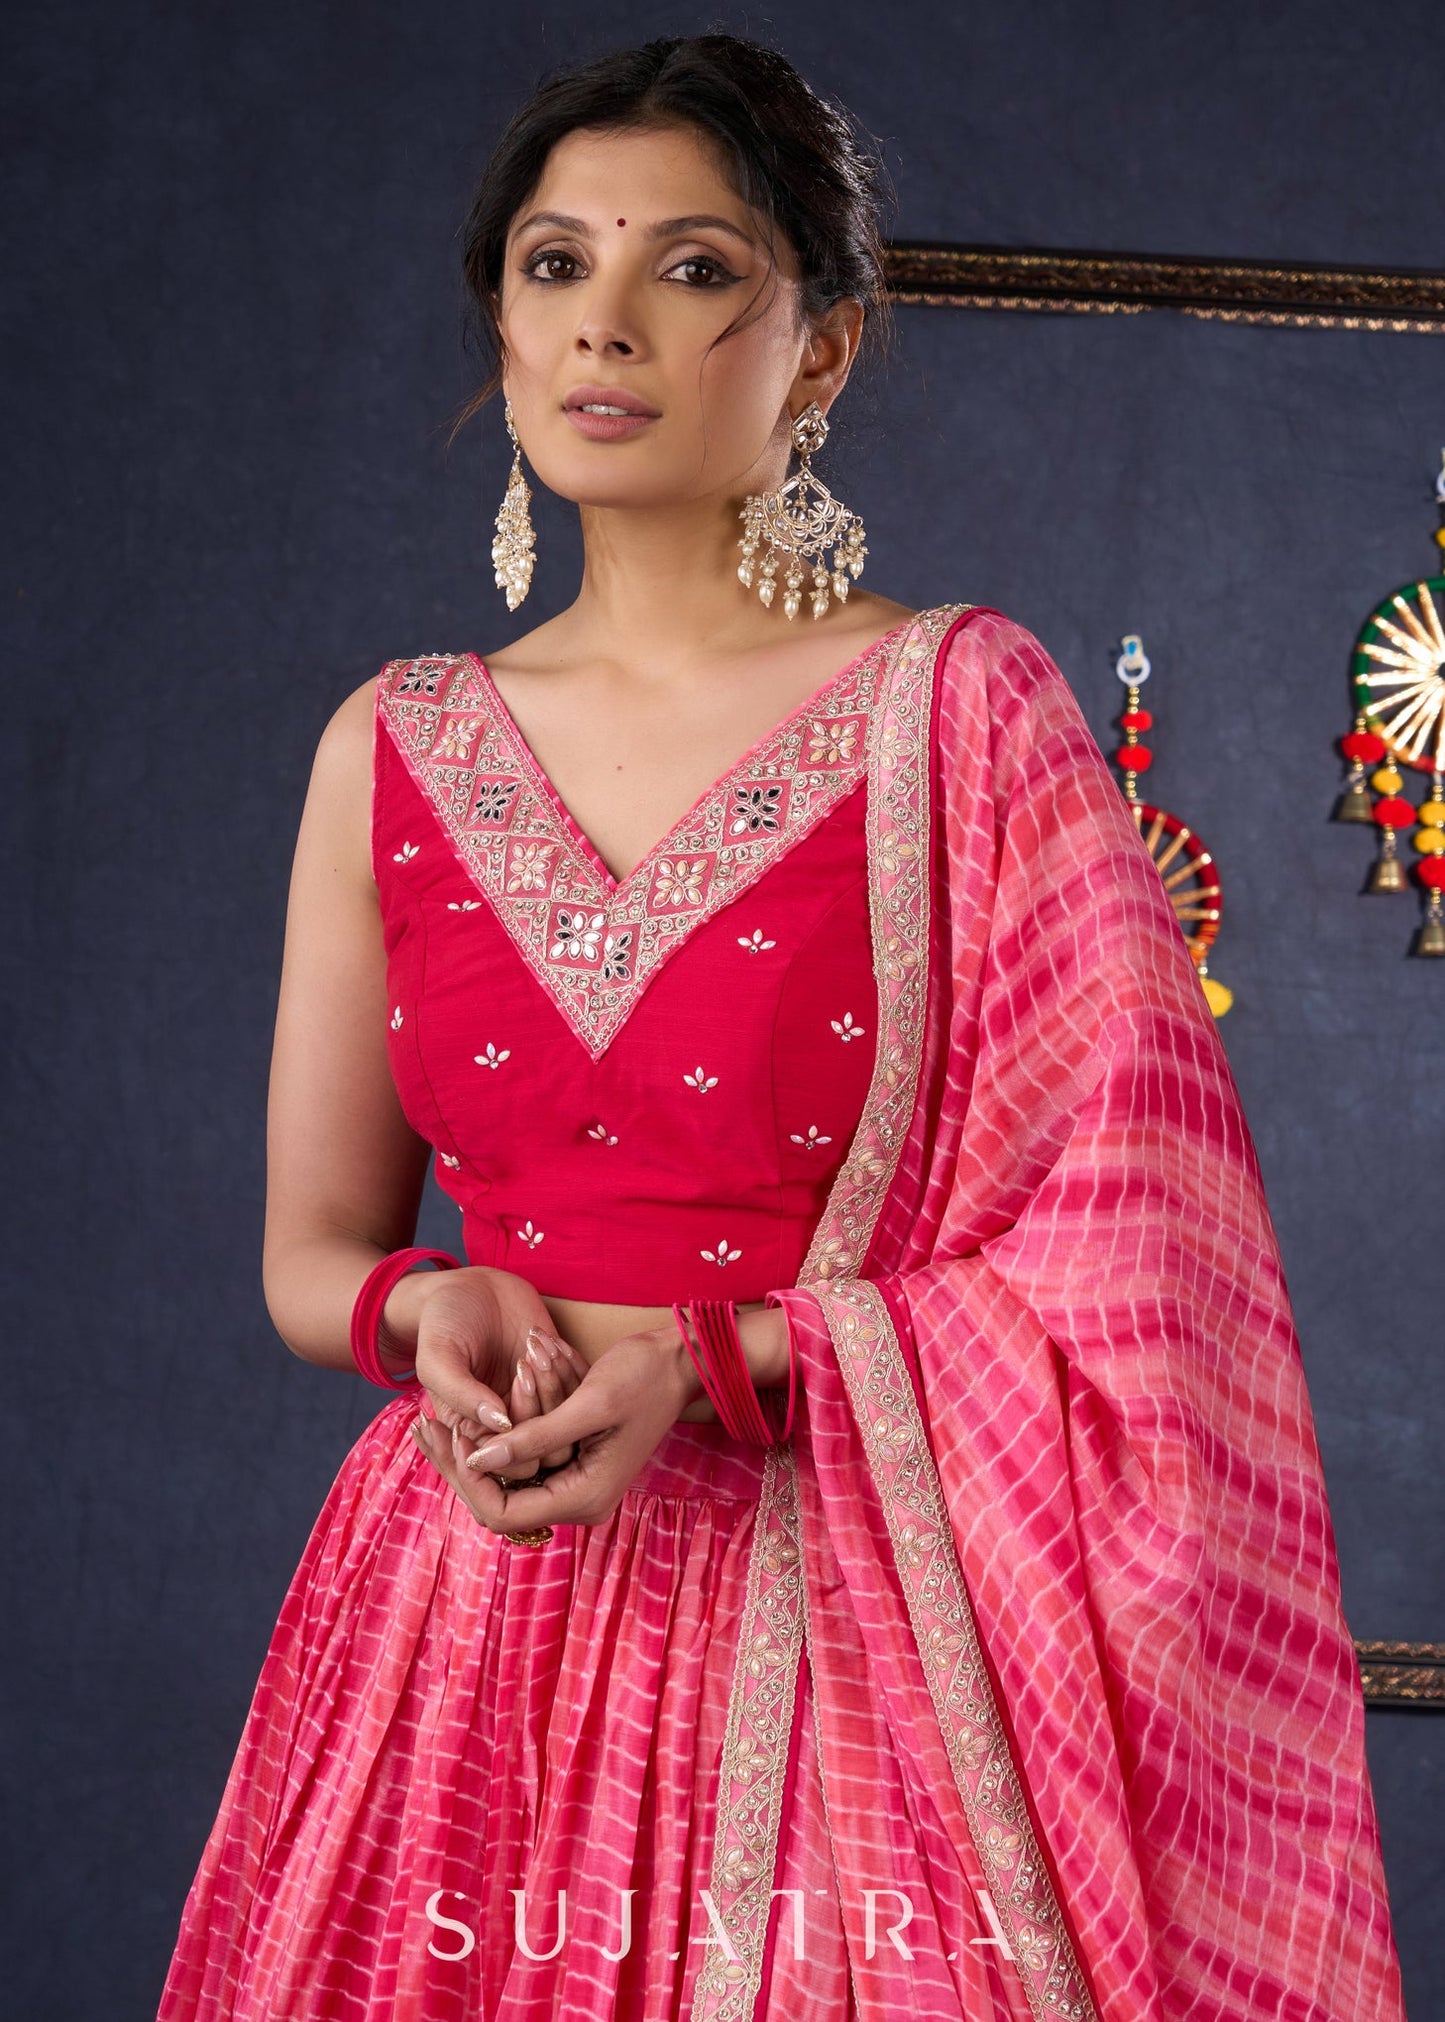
1125	284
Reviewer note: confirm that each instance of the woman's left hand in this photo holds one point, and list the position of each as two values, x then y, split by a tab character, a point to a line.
628	1400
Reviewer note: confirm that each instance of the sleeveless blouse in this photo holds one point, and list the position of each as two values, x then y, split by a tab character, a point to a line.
639	1091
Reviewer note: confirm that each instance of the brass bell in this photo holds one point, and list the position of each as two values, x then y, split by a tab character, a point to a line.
1354	803
1388	876
1432	936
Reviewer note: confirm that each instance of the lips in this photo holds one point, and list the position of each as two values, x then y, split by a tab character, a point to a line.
608	396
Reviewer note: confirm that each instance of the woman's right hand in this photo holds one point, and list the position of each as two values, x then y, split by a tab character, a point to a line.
472	1356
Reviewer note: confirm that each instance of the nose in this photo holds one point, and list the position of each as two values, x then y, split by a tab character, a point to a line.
603	338
608	325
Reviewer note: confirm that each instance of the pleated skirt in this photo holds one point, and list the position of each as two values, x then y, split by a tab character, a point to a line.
467	1764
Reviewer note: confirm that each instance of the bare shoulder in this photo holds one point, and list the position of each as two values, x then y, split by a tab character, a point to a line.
336	823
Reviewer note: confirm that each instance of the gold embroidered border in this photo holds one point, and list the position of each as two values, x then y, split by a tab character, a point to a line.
880	1387
901	1463
744	1848
755	1751
898	900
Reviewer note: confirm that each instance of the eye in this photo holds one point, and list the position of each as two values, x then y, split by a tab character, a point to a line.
546	257
725	274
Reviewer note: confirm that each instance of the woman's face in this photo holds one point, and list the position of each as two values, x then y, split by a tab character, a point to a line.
631	256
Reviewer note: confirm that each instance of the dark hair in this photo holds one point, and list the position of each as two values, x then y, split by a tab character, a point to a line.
795	160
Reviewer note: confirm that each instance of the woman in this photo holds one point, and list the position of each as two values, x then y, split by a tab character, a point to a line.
1013	1680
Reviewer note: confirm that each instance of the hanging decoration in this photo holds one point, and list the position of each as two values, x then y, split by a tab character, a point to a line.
1190	874
1398	680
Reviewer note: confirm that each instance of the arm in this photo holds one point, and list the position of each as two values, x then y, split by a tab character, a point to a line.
345	1169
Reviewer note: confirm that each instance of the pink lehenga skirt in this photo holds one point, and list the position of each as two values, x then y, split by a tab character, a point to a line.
465	1762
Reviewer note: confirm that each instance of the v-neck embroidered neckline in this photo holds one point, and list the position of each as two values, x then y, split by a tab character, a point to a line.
617	888
595	943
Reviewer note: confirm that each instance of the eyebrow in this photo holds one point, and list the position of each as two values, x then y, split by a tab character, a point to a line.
665	228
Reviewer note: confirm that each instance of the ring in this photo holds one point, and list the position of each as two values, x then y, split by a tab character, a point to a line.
541	1537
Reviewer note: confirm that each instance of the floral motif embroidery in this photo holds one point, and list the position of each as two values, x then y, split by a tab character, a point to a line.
462	905
576	935
405	854
701	1082
492	1058
846	1029
594	942
494	799
616	954
600	1132
679	883
529	866
396	1019
528	1235
722	1254
812	1140
754	942
458	737
447	1159
755	807
833	743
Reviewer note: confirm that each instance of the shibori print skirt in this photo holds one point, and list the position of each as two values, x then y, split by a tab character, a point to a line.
478	1783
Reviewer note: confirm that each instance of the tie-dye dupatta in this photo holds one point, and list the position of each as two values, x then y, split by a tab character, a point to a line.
1057	1467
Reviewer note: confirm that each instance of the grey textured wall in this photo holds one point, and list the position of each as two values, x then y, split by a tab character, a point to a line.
234	354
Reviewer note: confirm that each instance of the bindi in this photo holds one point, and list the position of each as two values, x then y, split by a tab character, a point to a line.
622	221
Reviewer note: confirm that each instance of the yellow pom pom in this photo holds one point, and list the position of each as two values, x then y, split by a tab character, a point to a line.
1432	813
1430	841
1218	996
1386	780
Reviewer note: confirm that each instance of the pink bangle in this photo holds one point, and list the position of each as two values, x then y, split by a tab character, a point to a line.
709	1331
366	1312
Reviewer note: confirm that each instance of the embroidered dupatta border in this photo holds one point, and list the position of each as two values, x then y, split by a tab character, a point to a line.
762	1700
875	1370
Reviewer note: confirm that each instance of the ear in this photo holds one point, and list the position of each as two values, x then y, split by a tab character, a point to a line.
828	354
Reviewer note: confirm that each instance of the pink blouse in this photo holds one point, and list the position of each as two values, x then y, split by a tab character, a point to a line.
639	1091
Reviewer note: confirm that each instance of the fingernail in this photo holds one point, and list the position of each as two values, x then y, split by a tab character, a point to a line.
496	1453
497	1418
537	1353
528	1380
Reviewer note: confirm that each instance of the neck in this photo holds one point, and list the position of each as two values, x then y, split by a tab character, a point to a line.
664	584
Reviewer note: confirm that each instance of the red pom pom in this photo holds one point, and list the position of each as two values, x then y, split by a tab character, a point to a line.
1363	745
1394	811
1432	871
1134	757
1137	719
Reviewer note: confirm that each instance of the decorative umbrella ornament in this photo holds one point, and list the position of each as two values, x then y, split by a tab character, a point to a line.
1398	680
1190	874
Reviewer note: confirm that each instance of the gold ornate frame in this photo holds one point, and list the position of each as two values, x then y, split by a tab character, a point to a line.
1402	1674
1126	284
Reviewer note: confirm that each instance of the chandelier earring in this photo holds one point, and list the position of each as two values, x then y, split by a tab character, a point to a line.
797	524
512	550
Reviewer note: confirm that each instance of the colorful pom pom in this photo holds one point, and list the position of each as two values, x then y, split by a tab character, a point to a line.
1137	758
1387	780
1432	872
1430	841
1137	719
1432	813
1363	745
1393	813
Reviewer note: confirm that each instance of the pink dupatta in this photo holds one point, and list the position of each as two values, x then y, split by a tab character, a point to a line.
1053	1527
